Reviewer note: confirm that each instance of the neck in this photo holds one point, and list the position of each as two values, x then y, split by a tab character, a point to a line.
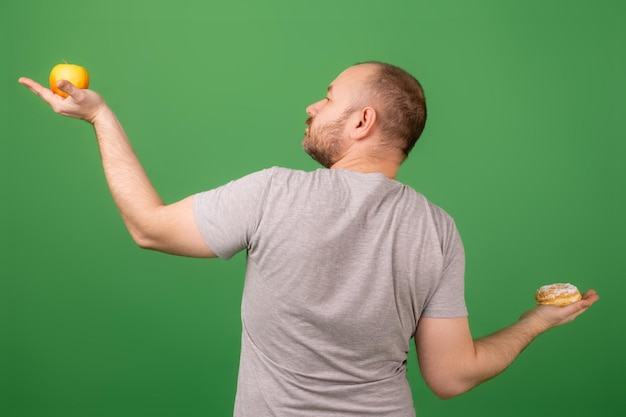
387	167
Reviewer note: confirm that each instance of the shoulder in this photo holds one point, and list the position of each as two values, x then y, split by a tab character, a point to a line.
276	182
281	173
438	214
293	179
265	177
443	222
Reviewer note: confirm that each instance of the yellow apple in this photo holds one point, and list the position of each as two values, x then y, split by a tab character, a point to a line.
75	74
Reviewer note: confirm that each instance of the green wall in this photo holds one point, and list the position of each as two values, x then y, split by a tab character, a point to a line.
524	147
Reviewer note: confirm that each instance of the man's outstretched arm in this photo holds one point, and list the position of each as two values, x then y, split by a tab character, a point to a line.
452	362
168	228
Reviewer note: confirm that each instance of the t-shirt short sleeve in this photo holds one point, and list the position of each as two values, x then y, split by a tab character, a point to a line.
449	297
228	216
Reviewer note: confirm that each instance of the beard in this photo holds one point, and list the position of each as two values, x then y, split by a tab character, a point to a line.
324	143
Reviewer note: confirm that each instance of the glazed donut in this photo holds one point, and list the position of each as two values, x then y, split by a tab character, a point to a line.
557	294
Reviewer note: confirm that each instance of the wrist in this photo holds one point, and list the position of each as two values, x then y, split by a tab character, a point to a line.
533	324
100	115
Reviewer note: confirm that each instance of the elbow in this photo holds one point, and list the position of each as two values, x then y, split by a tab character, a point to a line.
446	390
447	381
144	244
447	394
142	240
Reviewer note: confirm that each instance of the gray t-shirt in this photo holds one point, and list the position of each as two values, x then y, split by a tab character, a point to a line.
340	267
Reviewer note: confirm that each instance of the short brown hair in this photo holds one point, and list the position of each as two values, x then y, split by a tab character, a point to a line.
402	103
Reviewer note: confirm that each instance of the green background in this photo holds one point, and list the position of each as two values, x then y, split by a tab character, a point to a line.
524	147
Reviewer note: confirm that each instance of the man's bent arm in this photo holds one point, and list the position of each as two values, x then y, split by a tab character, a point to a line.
152	224
452	362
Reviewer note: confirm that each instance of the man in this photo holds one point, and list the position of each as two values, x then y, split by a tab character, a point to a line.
345	265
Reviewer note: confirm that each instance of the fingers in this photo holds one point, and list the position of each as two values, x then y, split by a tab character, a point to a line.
47	94
554	316
588	298
38	89
591	295
70	89
576	309
27	82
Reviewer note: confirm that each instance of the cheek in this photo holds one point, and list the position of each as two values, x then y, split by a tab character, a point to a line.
321	122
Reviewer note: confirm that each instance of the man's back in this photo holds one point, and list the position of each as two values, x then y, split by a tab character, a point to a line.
341	265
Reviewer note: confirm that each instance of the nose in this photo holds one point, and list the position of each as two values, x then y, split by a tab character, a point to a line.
312	109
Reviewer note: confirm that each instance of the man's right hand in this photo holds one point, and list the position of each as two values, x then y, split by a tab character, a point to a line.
80	104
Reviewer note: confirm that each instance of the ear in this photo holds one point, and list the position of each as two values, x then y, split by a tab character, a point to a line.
364	124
